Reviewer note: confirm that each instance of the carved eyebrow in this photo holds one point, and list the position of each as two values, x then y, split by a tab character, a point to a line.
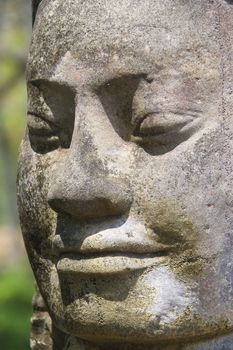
38	82
95	82
42	83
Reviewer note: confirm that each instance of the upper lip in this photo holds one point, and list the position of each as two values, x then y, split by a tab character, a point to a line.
125	239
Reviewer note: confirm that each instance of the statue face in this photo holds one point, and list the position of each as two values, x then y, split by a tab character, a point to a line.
125	170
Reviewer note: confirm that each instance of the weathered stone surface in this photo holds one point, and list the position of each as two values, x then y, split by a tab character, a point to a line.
125	172
41	325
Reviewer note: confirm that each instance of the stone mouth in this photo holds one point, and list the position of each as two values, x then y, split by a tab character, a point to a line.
107	263
110	241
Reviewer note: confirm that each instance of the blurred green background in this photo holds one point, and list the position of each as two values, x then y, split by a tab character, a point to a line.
16	281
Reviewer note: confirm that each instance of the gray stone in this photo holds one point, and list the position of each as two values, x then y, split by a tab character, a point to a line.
41	325
125	173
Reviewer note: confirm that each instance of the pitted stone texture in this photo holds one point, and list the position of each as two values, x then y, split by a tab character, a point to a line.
125	172
41	325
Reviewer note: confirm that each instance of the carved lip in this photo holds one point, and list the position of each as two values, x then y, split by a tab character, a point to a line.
110	241
108	251
107	264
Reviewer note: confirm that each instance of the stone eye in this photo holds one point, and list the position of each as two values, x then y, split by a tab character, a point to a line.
160	132
43	135
51	115
158	123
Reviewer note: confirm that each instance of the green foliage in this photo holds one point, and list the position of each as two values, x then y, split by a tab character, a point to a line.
15	27
16	290
16	284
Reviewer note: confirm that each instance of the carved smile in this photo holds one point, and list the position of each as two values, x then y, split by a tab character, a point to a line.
111	251
107	264
130	238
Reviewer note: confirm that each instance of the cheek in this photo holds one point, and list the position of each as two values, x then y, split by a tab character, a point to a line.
171	298
37	219
185	195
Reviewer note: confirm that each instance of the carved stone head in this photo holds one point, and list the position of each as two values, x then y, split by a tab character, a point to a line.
125	171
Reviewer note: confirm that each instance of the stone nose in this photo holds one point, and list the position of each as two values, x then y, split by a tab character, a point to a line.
91	198
84	185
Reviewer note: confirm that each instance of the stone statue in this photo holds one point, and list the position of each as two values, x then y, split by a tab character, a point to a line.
126	171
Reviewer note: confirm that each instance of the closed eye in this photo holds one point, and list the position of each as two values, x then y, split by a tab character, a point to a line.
161	122
43	135
39	125
51	115
160	132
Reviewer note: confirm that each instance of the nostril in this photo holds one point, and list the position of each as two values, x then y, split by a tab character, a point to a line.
92	199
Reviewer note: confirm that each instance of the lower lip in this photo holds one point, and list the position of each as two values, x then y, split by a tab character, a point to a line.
106	265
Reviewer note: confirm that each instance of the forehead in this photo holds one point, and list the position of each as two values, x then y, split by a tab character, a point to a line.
128	35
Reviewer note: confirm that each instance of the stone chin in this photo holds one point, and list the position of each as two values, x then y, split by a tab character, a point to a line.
94	309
